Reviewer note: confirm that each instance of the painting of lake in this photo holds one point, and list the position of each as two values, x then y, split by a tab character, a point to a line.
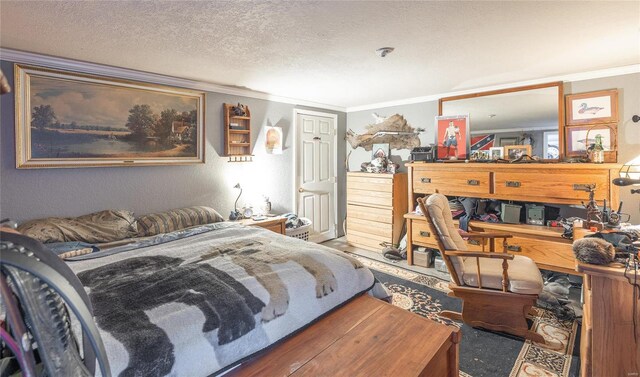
72	120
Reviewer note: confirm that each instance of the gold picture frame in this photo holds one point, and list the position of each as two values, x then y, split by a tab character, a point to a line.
592	108
70	120
512	152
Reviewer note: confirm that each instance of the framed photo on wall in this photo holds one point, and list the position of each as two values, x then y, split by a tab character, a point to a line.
452	137
593	107
273	143
70	120
579	138
505	141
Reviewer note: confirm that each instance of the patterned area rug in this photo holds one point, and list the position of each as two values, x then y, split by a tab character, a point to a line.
485	353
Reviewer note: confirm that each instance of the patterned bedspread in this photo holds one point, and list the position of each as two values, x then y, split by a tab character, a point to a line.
197	304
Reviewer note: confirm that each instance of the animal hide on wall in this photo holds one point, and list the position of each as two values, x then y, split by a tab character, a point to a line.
394	130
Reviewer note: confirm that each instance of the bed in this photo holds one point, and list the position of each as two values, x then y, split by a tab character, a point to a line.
184	293
198	301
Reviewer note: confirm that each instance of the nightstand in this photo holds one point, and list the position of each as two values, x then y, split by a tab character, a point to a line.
274	224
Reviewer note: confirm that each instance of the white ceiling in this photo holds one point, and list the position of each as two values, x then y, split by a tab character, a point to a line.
324	51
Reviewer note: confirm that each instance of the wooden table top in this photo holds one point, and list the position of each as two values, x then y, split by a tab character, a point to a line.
366	337
266	222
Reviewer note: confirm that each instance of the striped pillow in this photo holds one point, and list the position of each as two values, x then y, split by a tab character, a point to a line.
176	219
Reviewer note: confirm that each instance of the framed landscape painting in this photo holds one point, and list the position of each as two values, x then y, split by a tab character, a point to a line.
70	120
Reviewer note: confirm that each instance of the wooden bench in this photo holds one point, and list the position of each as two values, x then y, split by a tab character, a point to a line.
366	337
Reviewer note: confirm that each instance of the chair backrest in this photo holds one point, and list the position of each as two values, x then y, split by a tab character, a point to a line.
437	213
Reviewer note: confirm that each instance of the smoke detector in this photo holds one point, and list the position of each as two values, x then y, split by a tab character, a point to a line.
384	51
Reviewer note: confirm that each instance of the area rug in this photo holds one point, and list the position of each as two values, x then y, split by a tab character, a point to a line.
485	353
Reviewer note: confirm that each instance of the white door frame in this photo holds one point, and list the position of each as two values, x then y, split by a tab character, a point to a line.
296	148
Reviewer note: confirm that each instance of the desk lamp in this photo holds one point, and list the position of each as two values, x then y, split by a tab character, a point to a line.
629	175
235	214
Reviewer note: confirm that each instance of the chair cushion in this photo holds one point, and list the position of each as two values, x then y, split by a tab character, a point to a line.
440	212
524	275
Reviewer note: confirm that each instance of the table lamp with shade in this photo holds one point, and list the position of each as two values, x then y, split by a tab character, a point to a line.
629	175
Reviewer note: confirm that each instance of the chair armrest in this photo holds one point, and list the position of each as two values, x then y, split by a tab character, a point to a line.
486	235
478	254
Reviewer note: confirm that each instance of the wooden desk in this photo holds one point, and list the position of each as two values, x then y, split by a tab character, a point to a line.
275	224
542	244
608	347
366	337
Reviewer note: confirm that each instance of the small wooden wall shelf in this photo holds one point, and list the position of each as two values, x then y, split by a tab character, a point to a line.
237	140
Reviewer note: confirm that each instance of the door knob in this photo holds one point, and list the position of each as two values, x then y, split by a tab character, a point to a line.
300	189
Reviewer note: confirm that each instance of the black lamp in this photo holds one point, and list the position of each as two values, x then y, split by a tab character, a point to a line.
235	215
629	175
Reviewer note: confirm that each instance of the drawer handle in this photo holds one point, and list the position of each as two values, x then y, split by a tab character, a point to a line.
473	182
474	242
583	187
515	248
424	233
512	184
425	180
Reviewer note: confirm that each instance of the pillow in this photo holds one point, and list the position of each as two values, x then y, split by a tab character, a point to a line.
98	227
176	219
66	250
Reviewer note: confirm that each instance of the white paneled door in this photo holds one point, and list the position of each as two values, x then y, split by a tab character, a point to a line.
316	172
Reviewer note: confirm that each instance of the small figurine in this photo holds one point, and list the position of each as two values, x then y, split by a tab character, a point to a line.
239	110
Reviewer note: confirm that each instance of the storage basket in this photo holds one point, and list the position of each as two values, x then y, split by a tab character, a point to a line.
301	232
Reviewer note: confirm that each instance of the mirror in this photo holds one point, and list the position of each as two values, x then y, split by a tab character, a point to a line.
528	115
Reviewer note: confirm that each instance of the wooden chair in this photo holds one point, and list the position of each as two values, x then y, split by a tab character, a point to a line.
497	288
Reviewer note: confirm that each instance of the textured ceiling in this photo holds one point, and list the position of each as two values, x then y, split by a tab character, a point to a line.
324	51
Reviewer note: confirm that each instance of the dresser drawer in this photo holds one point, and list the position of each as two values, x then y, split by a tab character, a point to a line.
365	197
368	226
373	183
422	235
366	240
451	182
381	215
549	186
544	253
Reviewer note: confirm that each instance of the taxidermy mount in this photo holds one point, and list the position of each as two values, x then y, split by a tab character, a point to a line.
594	251
393	130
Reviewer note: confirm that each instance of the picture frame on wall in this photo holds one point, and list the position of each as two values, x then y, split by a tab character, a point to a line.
505	141
579	138
516	151
273	142
592	108
452	137
70	120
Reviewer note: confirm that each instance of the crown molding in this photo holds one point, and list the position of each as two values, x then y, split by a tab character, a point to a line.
573	77
24	57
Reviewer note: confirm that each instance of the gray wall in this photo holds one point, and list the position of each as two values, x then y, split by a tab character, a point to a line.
422	115
28	194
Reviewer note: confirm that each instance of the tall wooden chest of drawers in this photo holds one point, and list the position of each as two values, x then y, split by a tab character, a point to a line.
376	204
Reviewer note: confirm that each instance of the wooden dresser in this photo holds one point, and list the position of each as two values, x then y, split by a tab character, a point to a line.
607	345
538	183
376	204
